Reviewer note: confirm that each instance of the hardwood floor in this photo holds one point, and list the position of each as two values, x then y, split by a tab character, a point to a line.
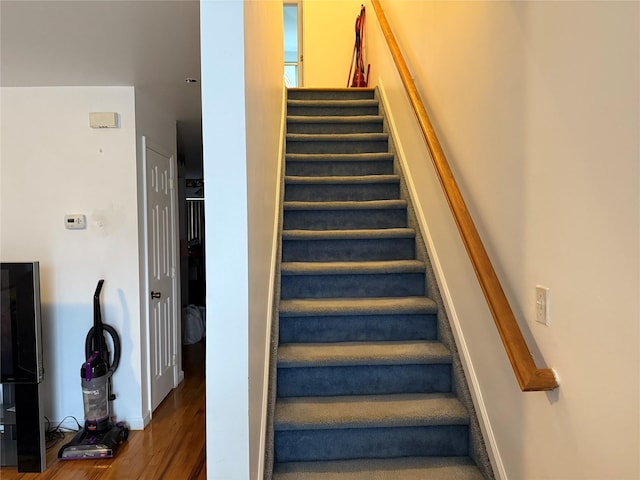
171	447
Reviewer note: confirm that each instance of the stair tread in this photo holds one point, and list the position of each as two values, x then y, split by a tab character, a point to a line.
407	468
341	179
363	267
346	205
331	89
376	233
345	90
362	353
335	119
356	102
336	137
348	157
357	306
369	411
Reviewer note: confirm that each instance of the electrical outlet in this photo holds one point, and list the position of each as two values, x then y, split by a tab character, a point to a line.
542	305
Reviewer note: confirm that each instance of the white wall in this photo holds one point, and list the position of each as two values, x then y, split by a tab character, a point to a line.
53	164
537	107
225	178
264	94
242	109
328	36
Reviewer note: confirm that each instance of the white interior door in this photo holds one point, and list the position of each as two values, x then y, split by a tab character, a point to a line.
161	271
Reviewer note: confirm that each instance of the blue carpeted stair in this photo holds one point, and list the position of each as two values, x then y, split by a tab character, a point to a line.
366	388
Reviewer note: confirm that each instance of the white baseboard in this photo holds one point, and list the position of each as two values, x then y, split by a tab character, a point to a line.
138	423
134	423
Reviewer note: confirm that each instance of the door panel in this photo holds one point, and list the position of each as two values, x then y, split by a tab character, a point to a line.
161	272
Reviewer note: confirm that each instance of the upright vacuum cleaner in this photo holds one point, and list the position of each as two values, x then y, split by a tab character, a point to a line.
360	79
100	437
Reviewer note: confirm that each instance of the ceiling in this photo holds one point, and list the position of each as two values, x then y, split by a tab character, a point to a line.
149	44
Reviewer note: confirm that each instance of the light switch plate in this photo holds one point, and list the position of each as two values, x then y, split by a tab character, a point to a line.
542	305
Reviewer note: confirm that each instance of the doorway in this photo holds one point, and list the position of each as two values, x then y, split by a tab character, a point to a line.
293	58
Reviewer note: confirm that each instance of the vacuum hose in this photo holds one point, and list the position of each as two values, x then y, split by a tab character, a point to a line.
90	346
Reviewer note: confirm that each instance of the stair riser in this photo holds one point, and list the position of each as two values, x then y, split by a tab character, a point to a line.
332	444
324	94
348	250
357	328
353	286
364	380
344	219
321	146
331	110
342	168
343	192
334	127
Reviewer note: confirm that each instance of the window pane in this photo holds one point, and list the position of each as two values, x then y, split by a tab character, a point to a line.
291	33
291	75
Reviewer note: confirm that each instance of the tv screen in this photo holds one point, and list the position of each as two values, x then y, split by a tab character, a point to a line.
20	323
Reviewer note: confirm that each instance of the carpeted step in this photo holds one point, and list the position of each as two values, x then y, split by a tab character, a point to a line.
364	388
342	188
348	245
335	124
392	278
330	93
345	143
345	215
407	468
358	427
339	164
358	306
332	107
358	319
363	368
349	354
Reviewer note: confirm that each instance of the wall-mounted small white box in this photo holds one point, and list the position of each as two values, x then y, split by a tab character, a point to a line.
104	120
75	221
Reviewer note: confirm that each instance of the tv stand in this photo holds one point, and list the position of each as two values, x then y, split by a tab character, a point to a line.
22	419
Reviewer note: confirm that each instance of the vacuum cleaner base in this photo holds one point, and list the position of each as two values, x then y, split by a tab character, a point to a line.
91	445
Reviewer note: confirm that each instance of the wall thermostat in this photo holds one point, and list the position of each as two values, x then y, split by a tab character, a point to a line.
75	221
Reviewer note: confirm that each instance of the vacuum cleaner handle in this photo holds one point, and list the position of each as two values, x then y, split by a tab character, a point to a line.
98	341
96	296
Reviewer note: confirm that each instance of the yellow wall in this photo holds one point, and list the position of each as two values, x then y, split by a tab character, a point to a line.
328	40
537	107
264	94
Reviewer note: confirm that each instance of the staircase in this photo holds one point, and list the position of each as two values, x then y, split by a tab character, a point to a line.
369	385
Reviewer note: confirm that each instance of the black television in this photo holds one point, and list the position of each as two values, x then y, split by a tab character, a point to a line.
20	323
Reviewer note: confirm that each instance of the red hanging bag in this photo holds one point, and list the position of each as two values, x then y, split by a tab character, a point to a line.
359	77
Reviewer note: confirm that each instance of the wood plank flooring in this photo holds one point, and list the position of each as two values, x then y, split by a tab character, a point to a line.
171	447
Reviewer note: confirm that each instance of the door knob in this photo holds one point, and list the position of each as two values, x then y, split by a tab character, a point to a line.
155	294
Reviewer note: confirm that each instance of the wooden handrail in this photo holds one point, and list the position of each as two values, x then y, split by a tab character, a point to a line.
530	377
